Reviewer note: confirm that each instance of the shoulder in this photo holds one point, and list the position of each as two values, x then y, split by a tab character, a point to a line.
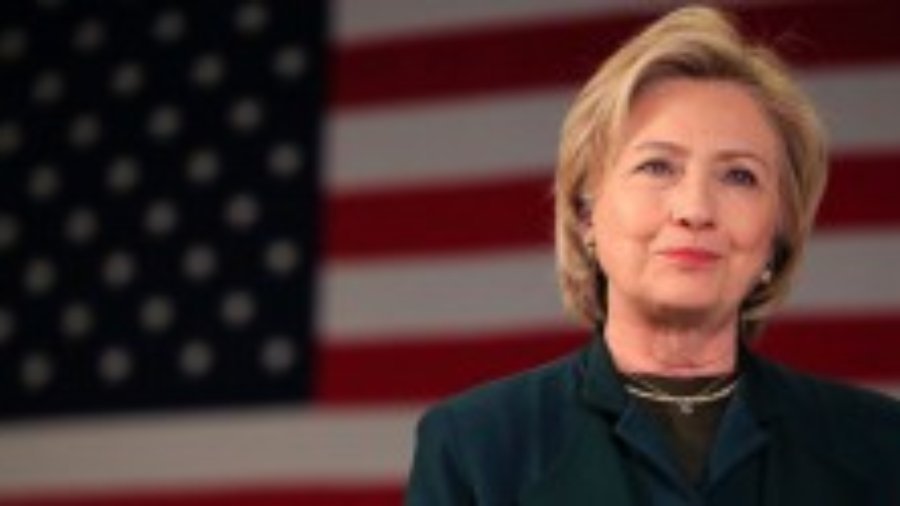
843	403
855	425
512	402
497	437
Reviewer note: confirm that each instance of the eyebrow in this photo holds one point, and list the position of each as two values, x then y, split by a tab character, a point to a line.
727	154
660	146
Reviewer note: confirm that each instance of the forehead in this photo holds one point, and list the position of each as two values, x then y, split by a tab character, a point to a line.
702	114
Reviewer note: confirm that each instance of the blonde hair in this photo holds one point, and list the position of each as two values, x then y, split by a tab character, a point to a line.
696	43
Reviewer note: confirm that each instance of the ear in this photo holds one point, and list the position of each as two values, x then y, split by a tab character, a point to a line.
584	210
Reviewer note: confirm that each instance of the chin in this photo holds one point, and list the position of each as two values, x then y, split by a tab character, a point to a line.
683	314
690	298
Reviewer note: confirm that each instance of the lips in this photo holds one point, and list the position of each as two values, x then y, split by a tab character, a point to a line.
691	256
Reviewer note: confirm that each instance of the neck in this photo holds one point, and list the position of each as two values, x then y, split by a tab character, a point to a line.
642	346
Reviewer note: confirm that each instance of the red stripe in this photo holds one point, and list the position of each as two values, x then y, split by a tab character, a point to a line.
862	192
424	368
558	52
518	213
858	348
337	495
448	218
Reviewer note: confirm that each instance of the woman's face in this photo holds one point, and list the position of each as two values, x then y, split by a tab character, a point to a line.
684	218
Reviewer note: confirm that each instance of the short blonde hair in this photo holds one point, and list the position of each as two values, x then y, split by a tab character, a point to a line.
696	43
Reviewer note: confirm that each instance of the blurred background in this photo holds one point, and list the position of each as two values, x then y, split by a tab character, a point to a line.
244	243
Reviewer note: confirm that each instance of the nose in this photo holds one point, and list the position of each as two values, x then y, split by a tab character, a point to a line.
693	205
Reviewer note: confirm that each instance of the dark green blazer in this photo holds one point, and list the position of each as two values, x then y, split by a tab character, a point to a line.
546	437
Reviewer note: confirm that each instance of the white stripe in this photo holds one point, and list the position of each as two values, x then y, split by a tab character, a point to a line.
503	135
474	293
892	390
860	106
849	272
286	446
844	273
365	20
483	137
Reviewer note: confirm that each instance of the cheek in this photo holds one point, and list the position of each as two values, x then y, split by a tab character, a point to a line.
630	216
753	230
624	229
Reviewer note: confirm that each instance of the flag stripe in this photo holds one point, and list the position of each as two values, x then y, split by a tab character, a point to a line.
861	192
276	495
425	367
863	348
451	217
226	448
843	271
553	52
464	216
500	136
859	348
362	20
459	293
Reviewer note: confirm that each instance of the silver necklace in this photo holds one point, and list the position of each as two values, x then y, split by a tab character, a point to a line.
685	403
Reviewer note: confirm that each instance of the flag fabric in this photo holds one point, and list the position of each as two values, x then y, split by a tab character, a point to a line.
199	308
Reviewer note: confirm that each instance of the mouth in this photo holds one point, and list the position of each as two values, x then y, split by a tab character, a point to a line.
691	257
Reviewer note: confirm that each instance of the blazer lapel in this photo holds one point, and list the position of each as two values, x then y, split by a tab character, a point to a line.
589	471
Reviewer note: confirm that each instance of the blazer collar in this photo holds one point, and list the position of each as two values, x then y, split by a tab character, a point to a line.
758	386
598	385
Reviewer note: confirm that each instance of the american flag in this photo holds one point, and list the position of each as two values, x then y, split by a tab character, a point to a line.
243	244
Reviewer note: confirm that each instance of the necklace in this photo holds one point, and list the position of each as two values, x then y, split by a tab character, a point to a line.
685	403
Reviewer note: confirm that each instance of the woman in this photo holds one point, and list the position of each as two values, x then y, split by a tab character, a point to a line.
690	170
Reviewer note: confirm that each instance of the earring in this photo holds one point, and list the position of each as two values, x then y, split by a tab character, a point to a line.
591	248
766	276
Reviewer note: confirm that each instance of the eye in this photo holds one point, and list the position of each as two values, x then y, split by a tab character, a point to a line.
656	167
741	177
